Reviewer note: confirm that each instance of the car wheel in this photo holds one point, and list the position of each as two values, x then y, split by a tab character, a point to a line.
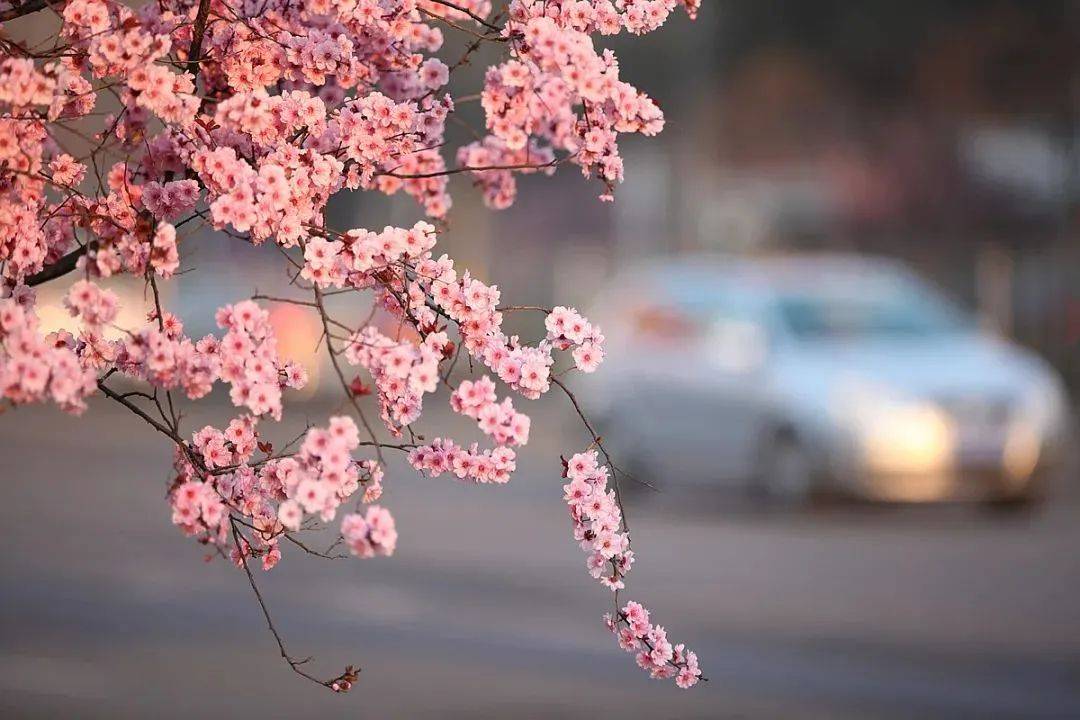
1022	500
1018	504
1013	504
785	471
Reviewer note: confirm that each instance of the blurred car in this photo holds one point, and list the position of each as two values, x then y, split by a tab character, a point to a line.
800	376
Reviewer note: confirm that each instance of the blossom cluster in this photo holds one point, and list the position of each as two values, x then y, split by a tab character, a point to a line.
36	367
197	508
559	90
443	455
498	420
250	361
566	328
359	253
57	86
32	230
597	519
370	534
653	651
472	304
21	85
498	185
322	475
93	305
403	371
285	191
169	200
202	501
233	446
422	290
217	478
245	357
303	102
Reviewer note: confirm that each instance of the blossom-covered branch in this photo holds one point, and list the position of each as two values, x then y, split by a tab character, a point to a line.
246	118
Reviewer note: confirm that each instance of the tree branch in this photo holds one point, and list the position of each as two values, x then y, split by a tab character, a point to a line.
341	376
475	168
58	269
30	6
468	12
161	428
338	684
615	470
197	32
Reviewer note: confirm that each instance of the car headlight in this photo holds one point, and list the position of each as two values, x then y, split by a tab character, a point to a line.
896	435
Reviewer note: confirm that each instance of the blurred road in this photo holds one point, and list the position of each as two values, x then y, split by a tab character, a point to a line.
486	609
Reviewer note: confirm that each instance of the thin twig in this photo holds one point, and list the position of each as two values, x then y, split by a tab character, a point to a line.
598	441
293	662
468	12
341	375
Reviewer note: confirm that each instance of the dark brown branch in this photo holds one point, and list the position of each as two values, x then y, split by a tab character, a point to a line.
163	429
349	674
197	32
58	269
468	12
310	551
30	6
477	168
460	28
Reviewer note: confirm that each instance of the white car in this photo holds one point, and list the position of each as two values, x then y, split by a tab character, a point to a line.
804	375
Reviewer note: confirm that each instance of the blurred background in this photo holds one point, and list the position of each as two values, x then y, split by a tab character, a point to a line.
842	298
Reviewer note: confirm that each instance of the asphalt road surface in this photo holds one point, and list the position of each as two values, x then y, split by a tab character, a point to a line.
486	610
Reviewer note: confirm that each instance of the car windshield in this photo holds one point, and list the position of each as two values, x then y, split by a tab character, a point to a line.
899	313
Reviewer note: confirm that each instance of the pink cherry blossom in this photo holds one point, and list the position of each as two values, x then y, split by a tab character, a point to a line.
597	520
652	650
370	534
